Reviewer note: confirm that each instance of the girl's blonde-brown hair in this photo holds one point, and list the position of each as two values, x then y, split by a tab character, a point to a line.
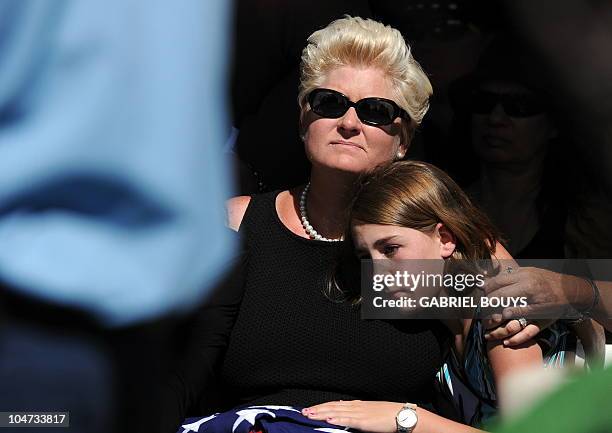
416	195
419	196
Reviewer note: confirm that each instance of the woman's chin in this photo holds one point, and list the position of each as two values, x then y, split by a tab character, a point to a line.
353	168
347	163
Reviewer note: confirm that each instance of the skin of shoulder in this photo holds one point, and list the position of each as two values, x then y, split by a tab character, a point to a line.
235	209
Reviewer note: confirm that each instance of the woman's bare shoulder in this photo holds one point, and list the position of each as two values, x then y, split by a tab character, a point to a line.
236	208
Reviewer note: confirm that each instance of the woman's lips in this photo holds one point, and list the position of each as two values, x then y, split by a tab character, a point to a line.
495	140
347	143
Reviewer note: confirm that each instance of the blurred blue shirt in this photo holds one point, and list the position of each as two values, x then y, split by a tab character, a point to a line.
112	180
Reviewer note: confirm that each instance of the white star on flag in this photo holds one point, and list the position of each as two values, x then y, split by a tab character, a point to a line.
249	415
276	408
195	426
330	430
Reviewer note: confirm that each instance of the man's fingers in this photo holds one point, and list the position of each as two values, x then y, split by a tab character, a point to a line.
533	311
511	289
516	312
503	279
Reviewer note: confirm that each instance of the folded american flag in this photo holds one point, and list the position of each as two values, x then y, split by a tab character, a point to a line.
260	419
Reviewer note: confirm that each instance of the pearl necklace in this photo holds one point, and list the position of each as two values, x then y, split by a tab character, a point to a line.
306	224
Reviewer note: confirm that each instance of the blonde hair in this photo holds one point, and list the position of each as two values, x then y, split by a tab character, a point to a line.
354	41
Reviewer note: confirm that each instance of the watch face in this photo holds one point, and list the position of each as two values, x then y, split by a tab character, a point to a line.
407	418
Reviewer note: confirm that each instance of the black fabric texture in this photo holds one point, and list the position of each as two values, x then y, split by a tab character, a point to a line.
292	345
270	335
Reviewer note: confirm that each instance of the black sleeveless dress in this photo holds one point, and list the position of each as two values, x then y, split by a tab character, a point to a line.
292	345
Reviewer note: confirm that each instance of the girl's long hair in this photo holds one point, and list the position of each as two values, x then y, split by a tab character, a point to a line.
416	195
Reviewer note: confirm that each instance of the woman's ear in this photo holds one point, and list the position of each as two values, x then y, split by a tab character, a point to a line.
401	152
303	131
447	239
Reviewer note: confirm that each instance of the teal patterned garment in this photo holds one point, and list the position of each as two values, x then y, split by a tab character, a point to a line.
469	383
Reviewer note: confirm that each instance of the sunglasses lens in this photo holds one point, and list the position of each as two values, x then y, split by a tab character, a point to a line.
483	102
514	105
372	111
327	103
376	112
523	106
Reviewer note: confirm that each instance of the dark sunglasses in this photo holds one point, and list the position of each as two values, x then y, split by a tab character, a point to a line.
371	111
514	105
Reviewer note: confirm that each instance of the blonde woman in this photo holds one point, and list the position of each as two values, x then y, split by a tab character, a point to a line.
362	95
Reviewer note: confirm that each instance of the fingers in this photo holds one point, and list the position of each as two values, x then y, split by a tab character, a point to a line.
504	331
524	336
512	291
325	410
331	405
503	279
514	312
336	412
345	421
542	312
513	335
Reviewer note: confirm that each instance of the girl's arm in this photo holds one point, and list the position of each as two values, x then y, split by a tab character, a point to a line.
507	360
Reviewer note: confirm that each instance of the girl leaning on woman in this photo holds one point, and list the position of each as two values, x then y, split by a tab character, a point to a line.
285	346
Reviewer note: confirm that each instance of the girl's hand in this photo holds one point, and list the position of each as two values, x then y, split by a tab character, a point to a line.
512	333
367	416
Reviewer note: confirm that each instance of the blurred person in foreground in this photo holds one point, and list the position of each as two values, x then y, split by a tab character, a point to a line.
112	121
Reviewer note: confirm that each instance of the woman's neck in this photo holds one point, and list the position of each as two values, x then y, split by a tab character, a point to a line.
328	200
510	185
509	196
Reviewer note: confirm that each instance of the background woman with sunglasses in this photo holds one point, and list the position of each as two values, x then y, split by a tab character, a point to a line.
524	178
362	95
513	133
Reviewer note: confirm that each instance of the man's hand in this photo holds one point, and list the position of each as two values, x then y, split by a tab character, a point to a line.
549	295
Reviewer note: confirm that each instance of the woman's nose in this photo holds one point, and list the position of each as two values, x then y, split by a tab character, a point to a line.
349	121
498	113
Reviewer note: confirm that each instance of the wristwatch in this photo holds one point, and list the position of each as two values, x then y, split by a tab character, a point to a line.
406	419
